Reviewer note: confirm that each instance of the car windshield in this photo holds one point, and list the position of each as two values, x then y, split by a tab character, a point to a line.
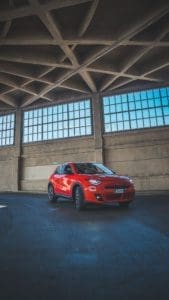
92	168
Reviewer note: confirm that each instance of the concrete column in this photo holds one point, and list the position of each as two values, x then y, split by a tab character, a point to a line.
17	155
97	127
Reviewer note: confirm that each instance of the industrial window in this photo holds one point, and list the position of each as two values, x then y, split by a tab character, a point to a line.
7	129
59	121
143	109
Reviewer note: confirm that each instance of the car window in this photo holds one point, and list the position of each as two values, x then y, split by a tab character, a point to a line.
58	170
67	169
87	168
92	168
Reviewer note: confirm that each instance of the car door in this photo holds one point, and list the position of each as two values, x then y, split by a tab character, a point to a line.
57	180
67	179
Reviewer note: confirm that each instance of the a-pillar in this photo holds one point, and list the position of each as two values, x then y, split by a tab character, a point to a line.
97	127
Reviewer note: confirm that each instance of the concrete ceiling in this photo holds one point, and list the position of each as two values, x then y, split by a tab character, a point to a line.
60	49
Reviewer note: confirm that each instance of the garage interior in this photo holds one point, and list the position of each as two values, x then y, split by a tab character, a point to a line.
83	80
60	52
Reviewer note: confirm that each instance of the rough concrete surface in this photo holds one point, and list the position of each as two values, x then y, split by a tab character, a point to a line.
51	251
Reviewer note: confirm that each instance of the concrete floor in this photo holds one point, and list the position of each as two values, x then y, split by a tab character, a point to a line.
50	251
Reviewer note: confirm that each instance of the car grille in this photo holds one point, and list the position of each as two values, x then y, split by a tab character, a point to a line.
116	186
115	197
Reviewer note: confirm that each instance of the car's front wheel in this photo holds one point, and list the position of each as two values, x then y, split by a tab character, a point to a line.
51	194
79	199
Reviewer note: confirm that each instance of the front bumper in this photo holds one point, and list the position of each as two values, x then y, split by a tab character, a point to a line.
98	195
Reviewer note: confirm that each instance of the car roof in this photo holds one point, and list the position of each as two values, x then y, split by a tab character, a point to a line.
73	163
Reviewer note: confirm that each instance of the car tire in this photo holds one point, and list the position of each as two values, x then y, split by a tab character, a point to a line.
79	199
124	204
51	194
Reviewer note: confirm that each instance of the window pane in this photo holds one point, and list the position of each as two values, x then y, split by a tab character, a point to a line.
146	122
166	120
156	93
120	125
112	100
149	94
145	113
125	116
131	105
118	107
160	121
133	124
126	125
119	117
143	95
113	118
165	101
153	122
124	98
107	119
140	123
107	127
157	102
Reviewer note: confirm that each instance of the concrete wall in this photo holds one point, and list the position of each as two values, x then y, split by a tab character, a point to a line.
143	155
8	169
39	160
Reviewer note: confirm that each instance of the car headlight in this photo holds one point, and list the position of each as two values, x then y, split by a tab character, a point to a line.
94	181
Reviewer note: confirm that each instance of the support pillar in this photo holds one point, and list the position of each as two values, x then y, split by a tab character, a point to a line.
17	155
97	127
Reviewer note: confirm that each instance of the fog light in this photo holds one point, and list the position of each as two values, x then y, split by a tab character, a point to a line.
98	197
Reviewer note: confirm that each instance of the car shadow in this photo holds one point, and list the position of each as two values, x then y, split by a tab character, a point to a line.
65	208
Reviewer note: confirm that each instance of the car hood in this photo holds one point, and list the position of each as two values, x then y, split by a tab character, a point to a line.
111	179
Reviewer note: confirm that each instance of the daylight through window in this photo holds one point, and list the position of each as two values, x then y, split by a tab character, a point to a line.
7	129
59	121
136	110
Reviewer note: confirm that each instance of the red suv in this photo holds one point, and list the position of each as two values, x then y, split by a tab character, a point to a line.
90	183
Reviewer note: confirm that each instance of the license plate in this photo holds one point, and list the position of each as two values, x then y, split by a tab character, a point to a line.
119	191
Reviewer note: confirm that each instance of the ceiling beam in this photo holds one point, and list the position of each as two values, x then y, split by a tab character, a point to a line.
100	53
128	35
85	24
14	87
116	86
87	20
134	59
53	29
27	10
7	100
147	43
50	24
121	74
24	75
81	41
34	61
143	77
73	88
156	69
5	29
